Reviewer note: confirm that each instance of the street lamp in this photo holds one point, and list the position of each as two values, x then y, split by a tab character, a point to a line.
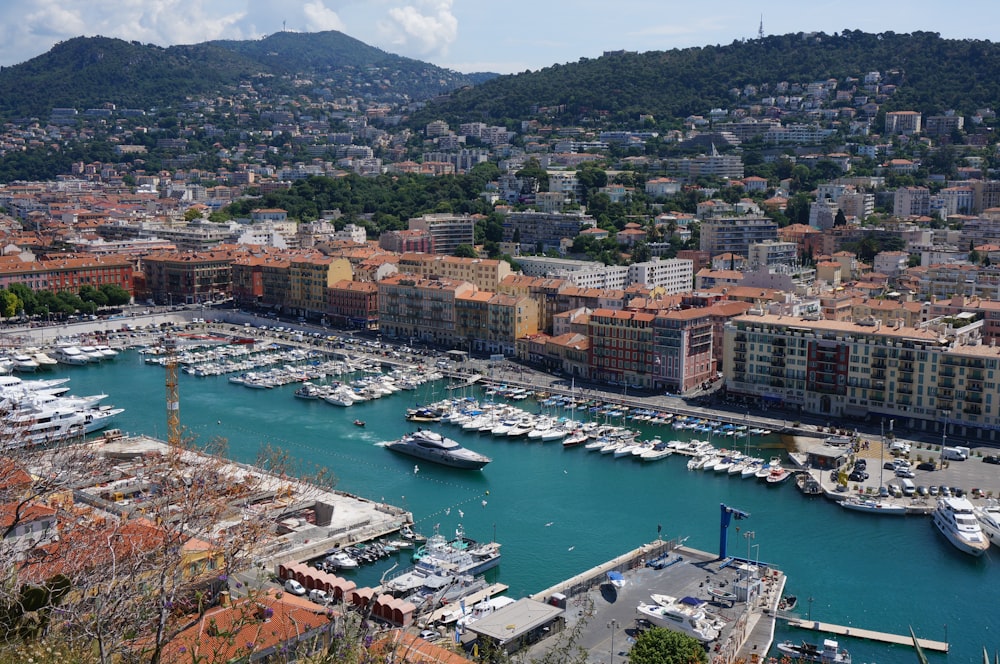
613	625
749	535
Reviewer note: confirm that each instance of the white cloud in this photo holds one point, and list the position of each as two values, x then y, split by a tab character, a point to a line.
422	28
319	17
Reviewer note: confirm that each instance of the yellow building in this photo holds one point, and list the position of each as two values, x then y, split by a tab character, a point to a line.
309	279
485	273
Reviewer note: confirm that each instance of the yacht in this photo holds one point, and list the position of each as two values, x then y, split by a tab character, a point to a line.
442	561
70	355
957	521
873	506
108	352
92	354
45	362
432	446
24	363
989	520
684	618
809	652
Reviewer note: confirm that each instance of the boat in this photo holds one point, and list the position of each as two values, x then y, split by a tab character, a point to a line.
432	446
482	609
70	355
808	484
830	653
340	559
873	506
787	603
576	438
359	423
442	561
777	473
685	616
407	533
24	363
722	595
955	518
989	519
616	579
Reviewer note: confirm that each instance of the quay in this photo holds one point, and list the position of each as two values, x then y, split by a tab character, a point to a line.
470	601
871	635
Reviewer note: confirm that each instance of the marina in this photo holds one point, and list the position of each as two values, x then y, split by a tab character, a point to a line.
569	529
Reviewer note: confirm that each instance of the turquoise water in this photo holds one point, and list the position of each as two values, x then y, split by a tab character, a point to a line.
558	512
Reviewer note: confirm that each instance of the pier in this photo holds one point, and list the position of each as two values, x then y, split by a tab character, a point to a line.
871	635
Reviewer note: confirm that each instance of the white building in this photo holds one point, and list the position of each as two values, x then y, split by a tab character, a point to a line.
674	275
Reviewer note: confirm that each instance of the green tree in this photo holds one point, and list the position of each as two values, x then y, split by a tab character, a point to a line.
641	252
664	646
840	219
464	251
191	214
10	304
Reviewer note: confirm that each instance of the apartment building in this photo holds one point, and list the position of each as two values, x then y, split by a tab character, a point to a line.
621	347
939	372
309	279
673	275
353	304
545	230
773	253
69	272
190	277
682	350
902	122
447	231
420	309
486	274
736	234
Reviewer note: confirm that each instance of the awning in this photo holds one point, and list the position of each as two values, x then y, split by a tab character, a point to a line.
855	411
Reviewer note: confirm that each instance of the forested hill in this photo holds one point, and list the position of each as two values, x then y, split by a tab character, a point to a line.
86	72
933	74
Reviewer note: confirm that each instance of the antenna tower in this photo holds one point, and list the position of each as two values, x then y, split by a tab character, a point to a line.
173	397
760	30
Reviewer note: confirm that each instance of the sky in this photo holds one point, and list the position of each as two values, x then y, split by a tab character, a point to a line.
507	36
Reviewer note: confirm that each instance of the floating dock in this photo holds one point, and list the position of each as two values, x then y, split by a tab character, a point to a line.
871	635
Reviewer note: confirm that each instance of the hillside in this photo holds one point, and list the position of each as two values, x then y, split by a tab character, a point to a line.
86	72
933	74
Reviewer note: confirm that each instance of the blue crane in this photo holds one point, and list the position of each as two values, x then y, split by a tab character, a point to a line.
728	514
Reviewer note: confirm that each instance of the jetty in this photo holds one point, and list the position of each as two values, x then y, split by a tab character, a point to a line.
871	635
469	600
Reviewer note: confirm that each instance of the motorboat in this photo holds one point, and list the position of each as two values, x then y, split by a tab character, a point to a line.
873	506
24	363
70	355
43	359
340	559
722	595
657	452
432	446
684	616
441	561
93	355
482	609
989	520
359	423
575	438
108	352
957	521
830	653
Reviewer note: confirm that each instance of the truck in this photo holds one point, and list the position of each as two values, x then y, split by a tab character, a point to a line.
953	454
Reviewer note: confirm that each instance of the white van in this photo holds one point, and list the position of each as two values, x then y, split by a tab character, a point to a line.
953	454
909	489
319	596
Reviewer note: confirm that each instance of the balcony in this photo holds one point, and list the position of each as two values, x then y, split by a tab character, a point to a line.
972	409
947	371
973	398
975	374
902	389
906	366
878	364
905	379
878	374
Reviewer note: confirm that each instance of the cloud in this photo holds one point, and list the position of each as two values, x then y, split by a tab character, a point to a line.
422	28
319	17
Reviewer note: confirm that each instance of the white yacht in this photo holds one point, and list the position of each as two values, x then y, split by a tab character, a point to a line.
45	361
70	355
989	520
92	354
6	364
108	352
683	618
24	363
955	518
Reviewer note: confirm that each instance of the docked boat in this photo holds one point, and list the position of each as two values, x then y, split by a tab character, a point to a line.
432	446
830	653
43	359
989	520
686	617
24	363
70	355
441	562
955	518
575	438
341	559
808	484
873	506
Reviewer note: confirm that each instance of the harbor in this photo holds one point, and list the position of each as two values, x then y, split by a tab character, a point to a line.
551	529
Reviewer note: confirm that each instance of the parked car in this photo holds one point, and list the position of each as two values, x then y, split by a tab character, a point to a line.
922	491
860	464
294	587
858	476
904	472
927	465
933	490
429	635
883	492
992	458
319	596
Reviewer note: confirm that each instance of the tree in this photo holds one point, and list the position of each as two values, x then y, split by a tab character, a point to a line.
664	646
840	219
464	251
641	252
191	214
